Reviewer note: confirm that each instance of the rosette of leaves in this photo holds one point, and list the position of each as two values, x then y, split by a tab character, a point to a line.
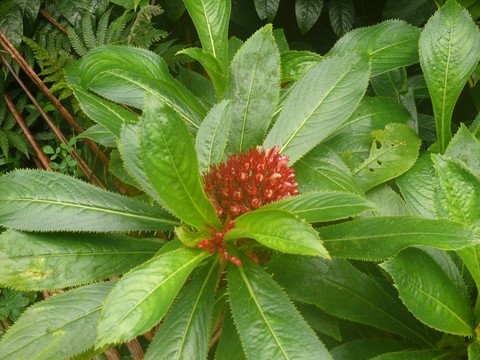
344	147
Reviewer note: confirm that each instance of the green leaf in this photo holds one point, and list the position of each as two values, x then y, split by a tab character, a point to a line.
266	9
211	19
416	187
229	345
417	355
212	136
170	162
323	206
184	333
279	230
382	237
319	320
100	135
390	84
11	23
389	45
341	290
253	88
144	295
34	262
268	323
449	52
307	13
59	327
342	14
319	103
366	349
465	147
295	64
103	112
414	12
430	295
322	169
474	351
394	151
56	202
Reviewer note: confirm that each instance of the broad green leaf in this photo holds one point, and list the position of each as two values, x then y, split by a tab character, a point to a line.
417	355
229	345
295	64
199	85
390	84
415	12
269	325
416	187
266	9
211	19
59	327
430	295
100	135
341	14
184	332
449	52
279	230
103	112
353	139
323	206
366	349
474	351
212	136
319	103
34	262
394	151
345	292
319	320
465	147
115	166
390	45
382	237
47	201
387	201
281	40
11	23
471	259
322	170
253	89
170	163
143	296
307	13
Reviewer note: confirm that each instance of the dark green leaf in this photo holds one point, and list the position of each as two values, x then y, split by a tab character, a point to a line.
307	13
342	14
417	355
229	345
56	202
268	323
415	12
170	163
11	23
390	84
266	9
366	349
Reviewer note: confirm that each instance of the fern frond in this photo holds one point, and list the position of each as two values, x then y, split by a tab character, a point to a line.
18	141
88	33
142	33
4	143
102	27
168	51
76	42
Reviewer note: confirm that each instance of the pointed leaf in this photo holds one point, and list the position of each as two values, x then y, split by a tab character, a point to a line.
229	345
366	349
465	147
34	262
416	354
184	333
170	162
430	295
212	136
100	135
295	64
266	9
56	328
389	45
253	87
144	295
449	52
474	351
319	103
382	237
341	13
307	13
268	323
56	202
323	206
345	292
278	230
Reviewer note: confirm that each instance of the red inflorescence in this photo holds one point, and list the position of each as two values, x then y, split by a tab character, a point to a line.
247	181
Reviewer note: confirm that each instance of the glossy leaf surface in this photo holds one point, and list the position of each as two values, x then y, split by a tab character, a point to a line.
307	13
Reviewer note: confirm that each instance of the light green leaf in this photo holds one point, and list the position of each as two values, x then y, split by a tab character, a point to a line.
212	136
279	230
465	147
379	238
211	19
295	64
322	170
184	333
394	151
430	295
34	262
144	295
59	327
389	45
253	88
47	201
307	13
170	163
100	135
449	52
319	103
103	112
341	290
268	323
323	206
474	351
387	201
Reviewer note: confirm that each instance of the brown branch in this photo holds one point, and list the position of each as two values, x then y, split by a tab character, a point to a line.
47	16
112	354
135	349
18	58
44	159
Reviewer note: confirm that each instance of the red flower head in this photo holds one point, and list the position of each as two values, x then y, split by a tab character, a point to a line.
247	181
